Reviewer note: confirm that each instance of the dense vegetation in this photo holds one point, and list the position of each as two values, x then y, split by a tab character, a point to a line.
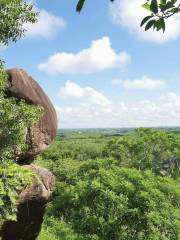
114	186
147	149
15	117
121	188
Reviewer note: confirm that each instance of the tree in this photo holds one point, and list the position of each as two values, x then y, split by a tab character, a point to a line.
13	15
159	11
15	115
147	149
100	200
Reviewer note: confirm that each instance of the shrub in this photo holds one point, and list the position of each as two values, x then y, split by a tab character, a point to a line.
104	201
13	179
147	149
15	116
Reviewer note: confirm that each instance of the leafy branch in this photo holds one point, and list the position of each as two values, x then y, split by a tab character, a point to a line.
160	11
81	3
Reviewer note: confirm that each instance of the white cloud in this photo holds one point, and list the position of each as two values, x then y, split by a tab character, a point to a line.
129	14
86	94
145	83
99	56
47	25
164	111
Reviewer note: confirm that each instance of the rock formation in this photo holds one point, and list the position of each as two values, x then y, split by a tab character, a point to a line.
31	207
43	133
34	198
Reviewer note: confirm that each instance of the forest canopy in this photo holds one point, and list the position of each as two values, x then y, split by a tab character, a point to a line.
124	187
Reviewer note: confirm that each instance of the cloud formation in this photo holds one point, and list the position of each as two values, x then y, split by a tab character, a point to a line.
47	26
99	56
129	14
145	83
87	94
86	113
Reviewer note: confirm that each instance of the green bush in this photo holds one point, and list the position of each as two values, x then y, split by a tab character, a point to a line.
77	149
100	200
121	196
12	179
55	229
147	149
15	116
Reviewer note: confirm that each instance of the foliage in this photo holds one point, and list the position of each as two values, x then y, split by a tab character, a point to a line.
99	200
81	3
13	179
159	11
102	197
56	229
80	149
13	16
15	117
147	149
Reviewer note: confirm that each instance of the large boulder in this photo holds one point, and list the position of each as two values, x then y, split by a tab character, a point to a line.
31	207
33	198
22	86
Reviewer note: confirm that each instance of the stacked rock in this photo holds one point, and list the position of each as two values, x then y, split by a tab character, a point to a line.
34	198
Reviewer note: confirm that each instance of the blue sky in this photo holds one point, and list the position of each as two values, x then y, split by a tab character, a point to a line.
99	68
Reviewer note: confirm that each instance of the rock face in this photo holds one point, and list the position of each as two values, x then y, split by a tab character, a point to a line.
31	207
34	198
22	86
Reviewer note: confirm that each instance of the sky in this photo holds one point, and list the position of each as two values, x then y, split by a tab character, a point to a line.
99	68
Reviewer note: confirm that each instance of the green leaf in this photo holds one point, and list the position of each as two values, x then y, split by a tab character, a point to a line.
149	24
163	2
80	5
146	6
175	10
157	25
154	6
173	1
162	22
177	154
145	20
168	5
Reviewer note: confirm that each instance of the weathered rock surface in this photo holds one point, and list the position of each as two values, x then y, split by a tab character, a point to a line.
31	207
34	198
22	86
